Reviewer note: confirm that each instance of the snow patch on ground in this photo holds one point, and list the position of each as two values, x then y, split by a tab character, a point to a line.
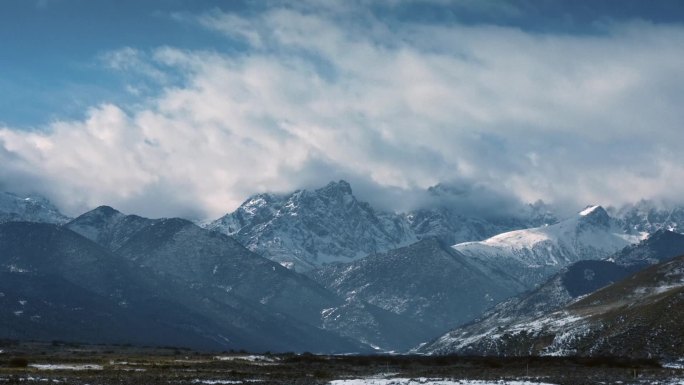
214	382
248	358
66	366
679	364
429	381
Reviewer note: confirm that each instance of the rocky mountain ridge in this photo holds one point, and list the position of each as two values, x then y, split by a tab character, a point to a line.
308	229
495	328
427	281
227	271
30	208
537	253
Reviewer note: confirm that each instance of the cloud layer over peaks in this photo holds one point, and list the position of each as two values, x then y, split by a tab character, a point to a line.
304	95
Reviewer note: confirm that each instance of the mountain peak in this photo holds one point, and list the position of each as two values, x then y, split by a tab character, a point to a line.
596	215
591	210
308	228
664	234
106	210
100	213
340	187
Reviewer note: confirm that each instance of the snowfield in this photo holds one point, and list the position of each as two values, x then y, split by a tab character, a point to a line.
248	358
429	381
66	367
534	254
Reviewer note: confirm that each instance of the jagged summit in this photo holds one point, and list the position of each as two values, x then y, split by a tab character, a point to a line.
595	215
309	228
341	187
452	221
589	210
649	216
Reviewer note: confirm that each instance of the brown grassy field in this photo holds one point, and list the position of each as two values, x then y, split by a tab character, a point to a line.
63	363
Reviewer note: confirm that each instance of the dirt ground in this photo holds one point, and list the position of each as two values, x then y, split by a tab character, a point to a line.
63	363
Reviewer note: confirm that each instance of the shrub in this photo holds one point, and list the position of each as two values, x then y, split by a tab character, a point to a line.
322	374
18	362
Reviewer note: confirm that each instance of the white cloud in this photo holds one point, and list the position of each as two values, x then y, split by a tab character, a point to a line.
570	119
231	25
133	61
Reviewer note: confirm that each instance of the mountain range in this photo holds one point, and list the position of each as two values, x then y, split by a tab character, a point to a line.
545	307
534	254
427	281
637	317
306	229
314	270
249	302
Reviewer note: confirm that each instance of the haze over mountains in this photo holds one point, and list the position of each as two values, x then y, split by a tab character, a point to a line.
317	270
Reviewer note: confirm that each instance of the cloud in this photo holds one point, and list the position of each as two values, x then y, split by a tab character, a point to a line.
393	107
229	24
133	61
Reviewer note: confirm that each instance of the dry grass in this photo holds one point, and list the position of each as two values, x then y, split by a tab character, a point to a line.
150	366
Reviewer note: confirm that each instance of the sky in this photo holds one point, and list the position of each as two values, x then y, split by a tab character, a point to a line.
187	107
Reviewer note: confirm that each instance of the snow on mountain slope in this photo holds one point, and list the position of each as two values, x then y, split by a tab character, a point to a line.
640	317
307	229
30	208
108	227
230	272
649	217
539	252
449	223
573	282
426	281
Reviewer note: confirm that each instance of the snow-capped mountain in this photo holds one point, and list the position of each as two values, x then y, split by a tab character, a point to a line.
647	216
640	316
451	225
426	281
577	280
30	208
307	229
536	253
660	246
